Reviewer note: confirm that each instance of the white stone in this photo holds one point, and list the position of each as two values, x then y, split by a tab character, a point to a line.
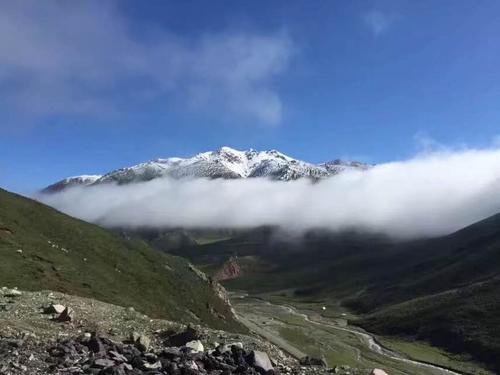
227	347
378	372
12	293
196	345
56	309
261	361
152	366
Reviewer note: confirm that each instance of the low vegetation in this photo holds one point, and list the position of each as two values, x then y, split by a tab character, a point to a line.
41	248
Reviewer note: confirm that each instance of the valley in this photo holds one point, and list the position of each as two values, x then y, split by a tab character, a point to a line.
417	297
250	187
305	330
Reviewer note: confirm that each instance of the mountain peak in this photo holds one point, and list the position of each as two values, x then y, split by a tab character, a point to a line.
225	162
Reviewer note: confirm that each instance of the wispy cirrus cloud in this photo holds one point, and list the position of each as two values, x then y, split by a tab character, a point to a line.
84	57
378	22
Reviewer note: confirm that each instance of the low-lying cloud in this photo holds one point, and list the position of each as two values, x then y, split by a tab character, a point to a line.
429	195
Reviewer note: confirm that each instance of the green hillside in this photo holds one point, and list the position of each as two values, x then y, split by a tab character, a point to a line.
449	297
41	248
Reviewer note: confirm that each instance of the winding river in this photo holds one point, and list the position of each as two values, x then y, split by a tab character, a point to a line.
367	339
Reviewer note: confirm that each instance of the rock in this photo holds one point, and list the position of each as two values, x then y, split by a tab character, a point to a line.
95	345
378	372
196	345
260	361
171	353
12	293
101	355
311	361
227	347
128	367
67	315
55	309
152	366
182	338
143	343
117	356
104	363
134	337
192	365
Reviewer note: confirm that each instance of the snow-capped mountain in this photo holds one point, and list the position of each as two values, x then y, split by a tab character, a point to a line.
82	180
223	163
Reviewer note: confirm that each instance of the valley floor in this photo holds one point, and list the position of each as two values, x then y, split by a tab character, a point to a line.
305	329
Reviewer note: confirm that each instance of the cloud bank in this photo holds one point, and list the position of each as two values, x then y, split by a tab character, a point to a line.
59	57
429	195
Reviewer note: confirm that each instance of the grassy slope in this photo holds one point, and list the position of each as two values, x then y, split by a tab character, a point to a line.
99	264
463	320
450	299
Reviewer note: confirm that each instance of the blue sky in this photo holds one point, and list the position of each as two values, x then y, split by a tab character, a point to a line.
87	87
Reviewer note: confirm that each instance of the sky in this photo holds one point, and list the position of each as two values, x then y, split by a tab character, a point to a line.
90	86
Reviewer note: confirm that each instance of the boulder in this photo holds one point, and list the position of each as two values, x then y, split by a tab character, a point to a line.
12	293
196	345
67	315
117	356
95	345
55	309
142	342
182	338
260	361
311	361
152	366
378	372
104	363
227	347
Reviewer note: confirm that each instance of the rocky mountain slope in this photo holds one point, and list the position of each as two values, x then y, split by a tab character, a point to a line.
41	248
102	338
223	163
68	182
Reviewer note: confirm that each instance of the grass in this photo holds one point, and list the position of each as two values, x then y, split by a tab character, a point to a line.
424	352
41	248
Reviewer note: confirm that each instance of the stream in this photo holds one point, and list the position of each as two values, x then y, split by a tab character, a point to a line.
369	341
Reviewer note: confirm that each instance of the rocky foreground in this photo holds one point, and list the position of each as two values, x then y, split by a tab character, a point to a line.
53	333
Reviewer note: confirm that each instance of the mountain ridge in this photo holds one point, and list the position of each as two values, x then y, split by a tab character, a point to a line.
225	162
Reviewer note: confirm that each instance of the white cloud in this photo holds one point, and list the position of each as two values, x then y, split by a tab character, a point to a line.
83	57
428	195
427	144
378	22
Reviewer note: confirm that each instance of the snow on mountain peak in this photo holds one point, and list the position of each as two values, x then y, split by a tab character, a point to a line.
82	180
225	162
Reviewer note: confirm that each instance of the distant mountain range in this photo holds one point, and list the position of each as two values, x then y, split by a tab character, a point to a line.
223	163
